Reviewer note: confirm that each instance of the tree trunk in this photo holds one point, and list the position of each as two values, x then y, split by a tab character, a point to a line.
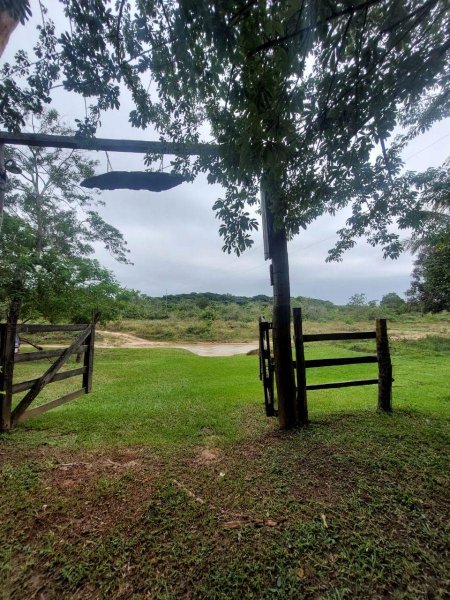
275	248
282	348
7	26
2	184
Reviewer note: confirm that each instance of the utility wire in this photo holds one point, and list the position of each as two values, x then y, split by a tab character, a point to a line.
429	146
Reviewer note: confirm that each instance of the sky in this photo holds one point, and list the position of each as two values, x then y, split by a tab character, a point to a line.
173	236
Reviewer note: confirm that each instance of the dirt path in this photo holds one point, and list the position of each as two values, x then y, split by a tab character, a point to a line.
116	339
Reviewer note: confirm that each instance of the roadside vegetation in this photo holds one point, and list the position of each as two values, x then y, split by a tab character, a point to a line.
226	318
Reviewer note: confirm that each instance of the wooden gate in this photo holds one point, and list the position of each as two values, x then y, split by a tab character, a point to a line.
83	344
266	367
382	358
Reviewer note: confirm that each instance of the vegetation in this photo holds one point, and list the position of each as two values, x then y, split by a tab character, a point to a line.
223	317
49	227
430	288
209	317
169	481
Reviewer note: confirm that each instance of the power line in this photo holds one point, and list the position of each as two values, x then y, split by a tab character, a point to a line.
429	146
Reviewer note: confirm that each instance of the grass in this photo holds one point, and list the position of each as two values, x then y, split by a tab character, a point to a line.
168	482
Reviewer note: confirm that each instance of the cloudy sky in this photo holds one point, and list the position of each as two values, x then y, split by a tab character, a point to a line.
173	235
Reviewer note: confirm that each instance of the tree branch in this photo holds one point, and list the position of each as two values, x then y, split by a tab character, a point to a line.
346	11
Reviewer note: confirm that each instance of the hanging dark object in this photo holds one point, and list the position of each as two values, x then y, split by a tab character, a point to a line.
134	180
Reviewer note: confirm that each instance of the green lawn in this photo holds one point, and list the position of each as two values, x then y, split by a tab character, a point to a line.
169	482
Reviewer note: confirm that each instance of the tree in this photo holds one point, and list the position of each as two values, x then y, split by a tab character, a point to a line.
52	285
297	95
393	301
434	185
430	287
50	225
357	300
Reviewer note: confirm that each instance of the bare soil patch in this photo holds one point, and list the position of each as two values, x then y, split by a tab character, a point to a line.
115	339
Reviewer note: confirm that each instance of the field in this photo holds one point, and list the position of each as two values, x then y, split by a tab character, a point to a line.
169	482
244	328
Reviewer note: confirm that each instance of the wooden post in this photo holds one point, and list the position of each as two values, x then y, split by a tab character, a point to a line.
7	349
384	367
89	358
302	402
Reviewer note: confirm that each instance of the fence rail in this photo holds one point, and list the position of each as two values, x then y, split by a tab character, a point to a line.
42	354
26	385
336	362
83	344
350	335
38	328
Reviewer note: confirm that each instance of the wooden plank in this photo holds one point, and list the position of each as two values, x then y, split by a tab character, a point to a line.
34	328
334	362
351	335
265	367
31	356
33	412
270	406
384	368
302	400
48	376
89	359
26	385
7	337
261	350
7	349
341	384
110	145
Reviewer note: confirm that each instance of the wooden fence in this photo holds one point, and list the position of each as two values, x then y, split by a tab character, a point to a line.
83	344
382	358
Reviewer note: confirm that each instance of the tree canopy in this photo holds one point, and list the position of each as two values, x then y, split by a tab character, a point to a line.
430	287
307	93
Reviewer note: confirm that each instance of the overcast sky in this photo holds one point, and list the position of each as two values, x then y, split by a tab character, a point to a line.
173	235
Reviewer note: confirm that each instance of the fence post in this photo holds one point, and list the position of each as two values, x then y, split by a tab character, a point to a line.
89	357
302	402
384	367
8	333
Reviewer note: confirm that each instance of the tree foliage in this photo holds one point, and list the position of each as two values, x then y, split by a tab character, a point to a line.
305	93
430	288
393	301
49	230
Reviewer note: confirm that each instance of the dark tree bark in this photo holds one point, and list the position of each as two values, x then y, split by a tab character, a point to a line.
275	248
2	184
282	348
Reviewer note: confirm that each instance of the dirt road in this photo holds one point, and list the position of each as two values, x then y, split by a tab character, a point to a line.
116	339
